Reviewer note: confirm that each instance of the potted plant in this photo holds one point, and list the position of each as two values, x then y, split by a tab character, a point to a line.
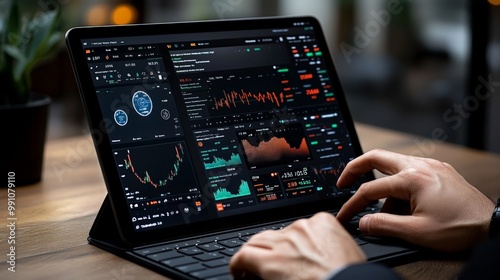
24	42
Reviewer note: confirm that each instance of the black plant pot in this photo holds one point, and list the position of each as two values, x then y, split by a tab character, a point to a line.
22	129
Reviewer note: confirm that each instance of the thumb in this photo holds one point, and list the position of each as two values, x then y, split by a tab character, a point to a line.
390	225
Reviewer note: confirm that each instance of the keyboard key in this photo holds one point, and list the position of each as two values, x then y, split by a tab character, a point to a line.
203	240
190	251
208	256
232	243
217	262
184	244
251	231
179	261
245	238
229	251
211	272
191	267
152	250
280	225
211	247
225	236
165	255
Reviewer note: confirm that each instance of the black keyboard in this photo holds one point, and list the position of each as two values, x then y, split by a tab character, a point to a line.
208	257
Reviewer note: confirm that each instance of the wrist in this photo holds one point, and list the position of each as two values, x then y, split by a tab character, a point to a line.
494	228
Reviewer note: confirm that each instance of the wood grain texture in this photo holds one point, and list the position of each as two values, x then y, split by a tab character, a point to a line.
55	215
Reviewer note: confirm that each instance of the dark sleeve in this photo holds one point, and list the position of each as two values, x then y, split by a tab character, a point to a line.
366	271
484	263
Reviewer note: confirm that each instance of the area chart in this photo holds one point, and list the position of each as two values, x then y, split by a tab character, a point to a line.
223	193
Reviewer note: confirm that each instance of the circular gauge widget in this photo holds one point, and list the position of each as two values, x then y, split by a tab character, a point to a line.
121	118
142	103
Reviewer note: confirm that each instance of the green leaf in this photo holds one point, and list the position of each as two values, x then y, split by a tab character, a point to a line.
45	40
24	42
39	28
14	52
20	58
12	23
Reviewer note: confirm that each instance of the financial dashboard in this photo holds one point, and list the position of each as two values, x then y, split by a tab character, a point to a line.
215	125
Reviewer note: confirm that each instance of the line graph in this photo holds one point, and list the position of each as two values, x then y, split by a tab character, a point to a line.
234	99
237	93
171	174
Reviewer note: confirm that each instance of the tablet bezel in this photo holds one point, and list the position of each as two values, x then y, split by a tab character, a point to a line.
103	146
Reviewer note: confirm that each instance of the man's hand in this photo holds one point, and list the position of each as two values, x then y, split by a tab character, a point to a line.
307	249
427	203
440	209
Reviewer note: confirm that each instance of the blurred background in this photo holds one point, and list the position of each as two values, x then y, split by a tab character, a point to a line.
416	68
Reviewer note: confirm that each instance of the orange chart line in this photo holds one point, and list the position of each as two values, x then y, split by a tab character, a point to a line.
231	99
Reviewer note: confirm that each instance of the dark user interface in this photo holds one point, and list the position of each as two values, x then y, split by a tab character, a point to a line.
211	127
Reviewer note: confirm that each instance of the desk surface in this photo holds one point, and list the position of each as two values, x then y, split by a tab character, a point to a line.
54	216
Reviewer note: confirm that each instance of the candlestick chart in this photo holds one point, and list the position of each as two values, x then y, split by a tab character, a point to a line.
328	173
156	170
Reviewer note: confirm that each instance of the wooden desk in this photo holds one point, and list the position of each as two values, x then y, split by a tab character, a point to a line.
54	216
